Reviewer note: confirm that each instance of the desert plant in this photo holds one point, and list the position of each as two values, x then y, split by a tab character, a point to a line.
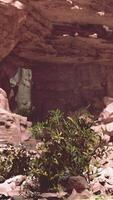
68	146
14	161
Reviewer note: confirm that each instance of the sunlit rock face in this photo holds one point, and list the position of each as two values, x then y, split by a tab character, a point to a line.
14	129
67	45
20	92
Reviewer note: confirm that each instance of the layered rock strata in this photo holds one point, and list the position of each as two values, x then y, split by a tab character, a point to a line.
68	46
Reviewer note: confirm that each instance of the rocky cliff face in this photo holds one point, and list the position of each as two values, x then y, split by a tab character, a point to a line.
68	45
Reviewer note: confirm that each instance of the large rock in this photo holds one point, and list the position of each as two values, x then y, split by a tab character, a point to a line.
20	92
78	183
12	16
106	116
105	125
12	186
14	129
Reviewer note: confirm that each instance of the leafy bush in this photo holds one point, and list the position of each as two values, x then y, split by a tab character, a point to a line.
68	144
14	161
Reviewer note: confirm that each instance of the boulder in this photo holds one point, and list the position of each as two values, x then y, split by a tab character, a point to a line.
20	92
107	100
109	129
14	128
12	186
104	124
78	183
106	115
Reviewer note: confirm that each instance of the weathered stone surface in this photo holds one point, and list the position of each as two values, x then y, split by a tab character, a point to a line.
103	183
71	67
20	92
3	100
105	125
13	127
78	183
12	186
11	20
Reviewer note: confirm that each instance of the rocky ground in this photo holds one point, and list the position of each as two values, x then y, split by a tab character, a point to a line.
68	46
98	184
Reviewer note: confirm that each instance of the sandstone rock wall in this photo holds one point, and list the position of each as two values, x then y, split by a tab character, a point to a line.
69	87
67	45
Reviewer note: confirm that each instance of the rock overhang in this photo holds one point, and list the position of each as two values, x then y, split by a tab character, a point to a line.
53	37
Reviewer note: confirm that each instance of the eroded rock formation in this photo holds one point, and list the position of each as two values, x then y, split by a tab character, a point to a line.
20	93
14	129
68	46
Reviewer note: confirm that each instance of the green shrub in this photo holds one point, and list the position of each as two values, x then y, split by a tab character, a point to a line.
14	161
68	146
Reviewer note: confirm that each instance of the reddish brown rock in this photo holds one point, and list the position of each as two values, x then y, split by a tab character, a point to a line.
78	183
70	68
11	21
